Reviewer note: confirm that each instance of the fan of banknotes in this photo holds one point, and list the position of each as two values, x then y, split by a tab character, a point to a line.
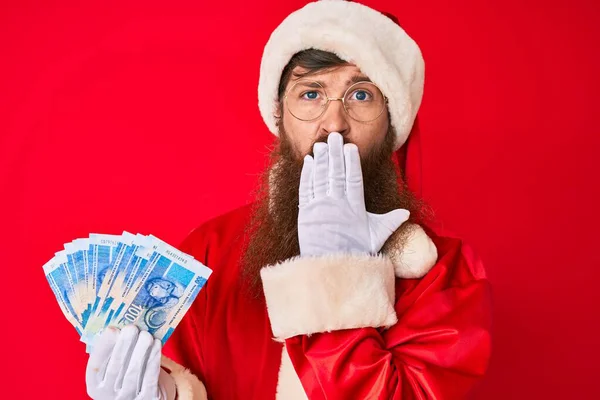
116	280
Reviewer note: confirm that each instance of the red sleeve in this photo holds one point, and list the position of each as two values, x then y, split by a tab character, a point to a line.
438	348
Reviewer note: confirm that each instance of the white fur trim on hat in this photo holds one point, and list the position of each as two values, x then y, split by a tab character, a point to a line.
359	35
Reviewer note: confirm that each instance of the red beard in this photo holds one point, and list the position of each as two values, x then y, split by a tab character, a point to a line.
272	235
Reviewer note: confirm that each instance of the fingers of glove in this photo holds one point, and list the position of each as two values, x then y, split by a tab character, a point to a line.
150	379
321	169
306	181
337	171
117	365
354	178
98	361
132	381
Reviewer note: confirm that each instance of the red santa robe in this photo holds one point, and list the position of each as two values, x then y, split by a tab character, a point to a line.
335	327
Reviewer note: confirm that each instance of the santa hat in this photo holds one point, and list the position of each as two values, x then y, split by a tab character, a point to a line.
359	35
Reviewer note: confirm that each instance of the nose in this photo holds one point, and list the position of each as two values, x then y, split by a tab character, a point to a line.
335	119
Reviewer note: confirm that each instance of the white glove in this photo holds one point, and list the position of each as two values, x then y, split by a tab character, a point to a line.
125	365
332	216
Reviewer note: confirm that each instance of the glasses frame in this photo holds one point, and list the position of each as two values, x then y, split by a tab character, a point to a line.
330	99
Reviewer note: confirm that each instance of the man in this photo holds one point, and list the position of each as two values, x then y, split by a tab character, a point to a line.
329	286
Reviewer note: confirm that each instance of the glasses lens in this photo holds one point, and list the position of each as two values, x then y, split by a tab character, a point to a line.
306	100
364	101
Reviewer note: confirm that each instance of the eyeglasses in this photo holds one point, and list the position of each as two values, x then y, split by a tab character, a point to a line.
307	100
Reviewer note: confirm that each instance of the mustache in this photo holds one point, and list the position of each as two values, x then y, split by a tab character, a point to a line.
370	162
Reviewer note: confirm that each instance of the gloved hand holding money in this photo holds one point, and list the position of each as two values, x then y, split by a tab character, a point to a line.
117	280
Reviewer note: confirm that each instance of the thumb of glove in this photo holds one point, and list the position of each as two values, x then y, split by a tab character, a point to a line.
383	225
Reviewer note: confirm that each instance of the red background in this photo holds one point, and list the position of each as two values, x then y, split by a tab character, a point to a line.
145	118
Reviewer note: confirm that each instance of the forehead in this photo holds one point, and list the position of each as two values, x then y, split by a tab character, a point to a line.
340	76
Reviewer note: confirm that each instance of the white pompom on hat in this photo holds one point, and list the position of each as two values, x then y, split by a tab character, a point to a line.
359	35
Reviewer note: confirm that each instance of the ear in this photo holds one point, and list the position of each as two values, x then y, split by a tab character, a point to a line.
278	110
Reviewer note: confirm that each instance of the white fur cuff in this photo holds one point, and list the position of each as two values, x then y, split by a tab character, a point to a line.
412	252
307	295
188	386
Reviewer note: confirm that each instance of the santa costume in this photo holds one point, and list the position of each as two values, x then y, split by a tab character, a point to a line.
419	322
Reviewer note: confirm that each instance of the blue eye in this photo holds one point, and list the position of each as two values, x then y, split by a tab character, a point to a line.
310	95
361	95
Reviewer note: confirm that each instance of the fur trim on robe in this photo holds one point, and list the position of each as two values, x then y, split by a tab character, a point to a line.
188	386
306	295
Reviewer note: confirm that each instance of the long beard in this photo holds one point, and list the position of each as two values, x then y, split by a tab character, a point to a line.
272	235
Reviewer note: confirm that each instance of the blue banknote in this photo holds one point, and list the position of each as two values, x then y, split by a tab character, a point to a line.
101	253
107	292
129	278
56	275
76	262
128	274
80	259
116	280
164	293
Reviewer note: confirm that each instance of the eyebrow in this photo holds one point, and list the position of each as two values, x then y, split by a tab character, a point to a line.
354	79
